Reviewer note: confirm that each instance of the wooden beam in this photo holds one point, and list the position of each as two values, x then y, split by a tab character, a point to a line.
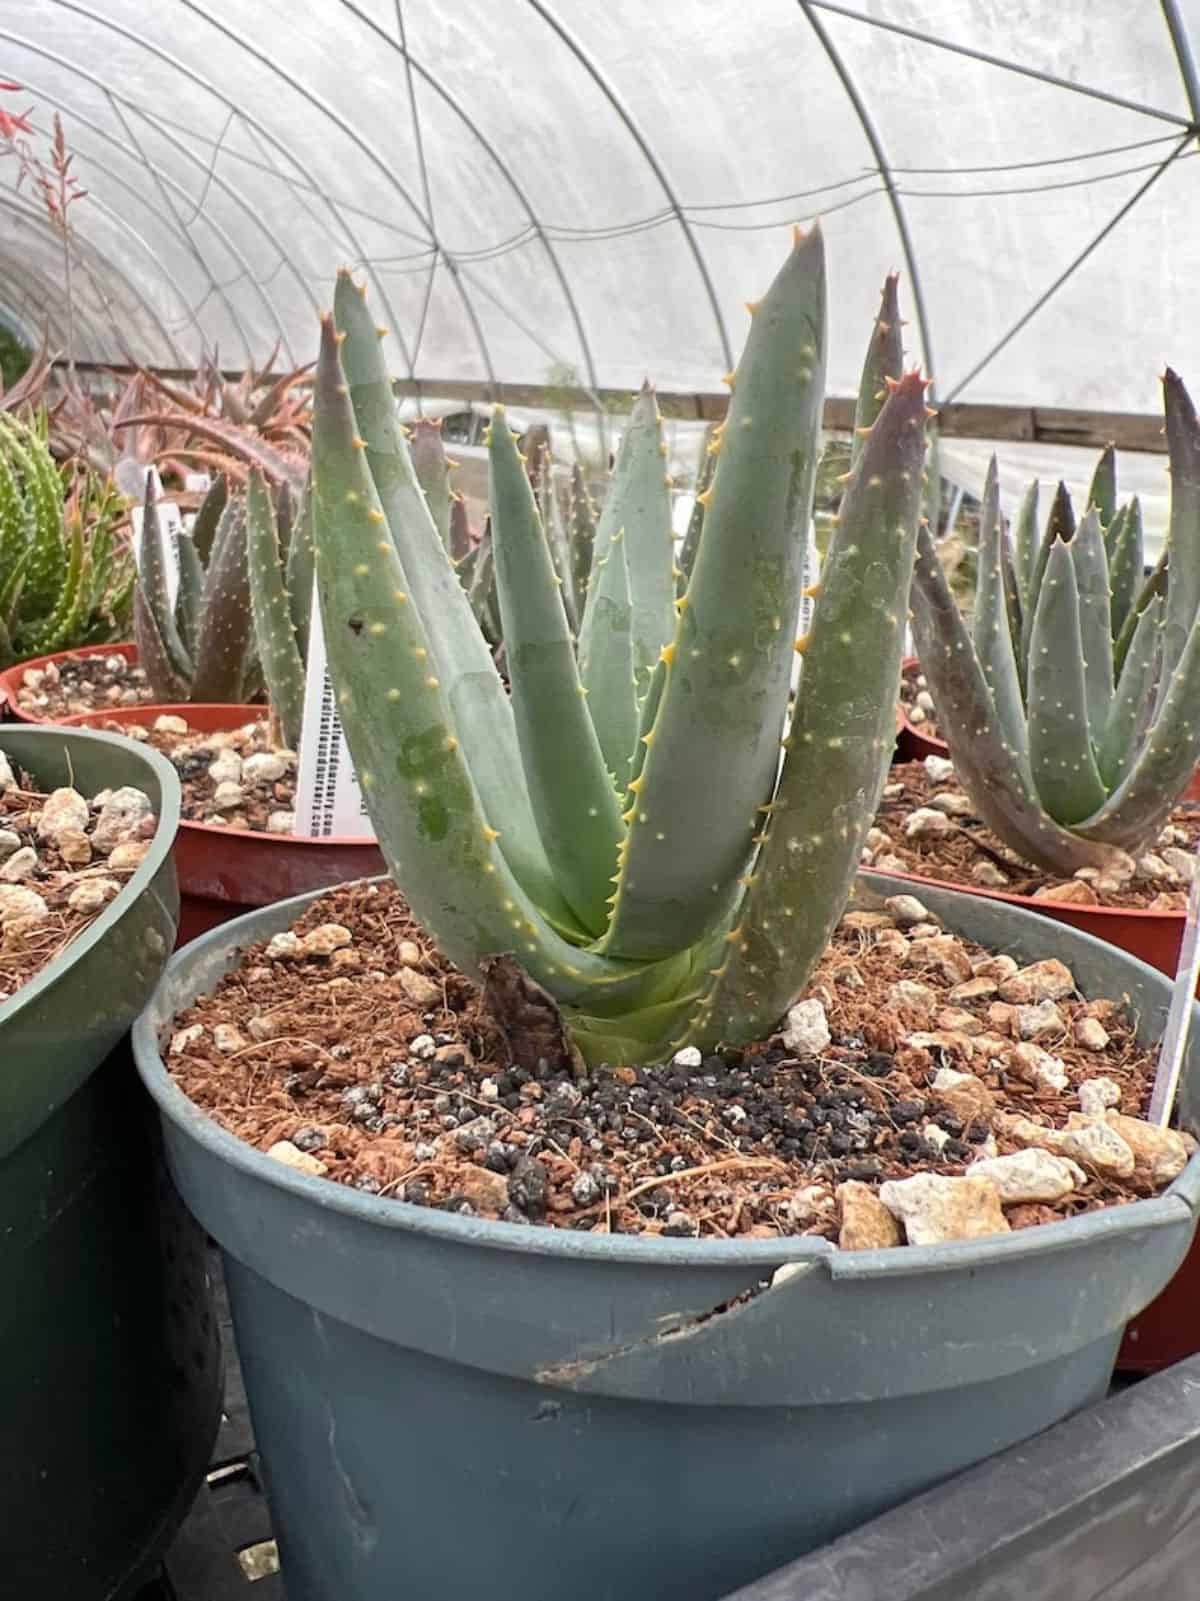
1051	425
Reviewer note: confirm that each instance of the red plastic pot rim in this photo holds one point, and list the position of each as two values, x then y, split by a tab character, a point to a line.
1140	913
11	677
211	718
938	747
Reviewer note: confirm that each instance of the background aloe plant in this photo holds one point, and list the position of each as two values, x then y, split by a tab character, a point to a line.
624	825
281	585
1071	711
65	577
202	648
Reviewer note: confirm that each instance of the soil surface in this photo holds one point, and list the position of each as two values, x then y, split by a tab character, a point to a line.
918	702
351	1048
82	684
53	886
968	853
236	778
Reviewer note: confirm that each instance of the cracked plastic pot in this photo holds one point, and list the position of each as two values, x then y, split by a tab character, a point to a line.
450	1406
108	1344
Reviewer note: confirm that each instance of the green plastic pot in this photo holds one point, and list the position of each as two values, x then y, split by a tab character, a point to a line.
108	1341
452	1407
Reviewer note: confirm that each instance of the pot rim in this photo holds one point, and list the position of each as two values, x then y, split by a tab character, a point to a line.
1027	902
912	728
1176	1204
8	680
237	716
164	837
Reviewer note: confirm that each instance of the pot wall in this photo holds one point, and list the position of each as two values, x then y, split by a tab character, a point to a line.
453	1406
108	1344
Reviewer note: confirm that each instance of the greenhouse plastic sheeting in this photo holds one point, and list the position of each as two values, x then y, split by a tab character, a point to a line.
556	191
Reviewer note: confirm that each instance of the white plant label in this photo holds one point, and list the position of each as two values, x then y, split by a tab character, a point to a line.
329	802
170	522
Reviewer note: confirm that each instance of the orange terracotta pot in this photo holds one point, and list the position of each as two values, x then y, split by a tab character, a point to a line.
1169	1328
224	872
12	679
911	744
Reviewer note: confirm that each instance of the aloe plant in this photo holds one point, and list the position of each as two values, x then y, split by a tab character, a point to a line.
686	900
202	648
1070	712
65	580
281	580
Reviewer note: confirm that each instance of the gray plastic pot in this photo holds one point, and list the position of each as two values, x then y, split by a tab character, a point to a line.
449	1407
109	1351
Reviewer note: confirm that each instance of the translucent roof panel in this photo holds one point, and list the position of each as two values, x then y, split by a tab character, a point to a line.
542	192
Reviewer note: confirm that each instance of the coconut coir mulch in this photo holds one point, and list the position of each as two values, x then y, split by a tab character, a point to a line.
263	805
969	849
378	1060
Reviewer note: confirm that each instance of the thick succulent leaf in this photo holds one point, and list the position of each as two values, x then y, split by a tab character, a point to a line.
730	662
278	656
42	496
208	518
1012	604
424	803
460	527
639	502
992	624
841	737
481	709
1126	561
1163	767
189	599
1153	585
164	678
1095	618
607	670
1102	493
582	515
433	473
1183	533
235	440
550	511
995	775
225	640
884	360
1132	706
298	571
483	586
13	541
573	796
1061	759
64	623
152	586
695	527
1025	543
931	482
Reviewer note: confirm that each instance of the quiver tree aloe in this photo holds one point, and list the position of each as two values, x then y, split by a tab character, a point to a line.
687	900
65	579
1071	711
